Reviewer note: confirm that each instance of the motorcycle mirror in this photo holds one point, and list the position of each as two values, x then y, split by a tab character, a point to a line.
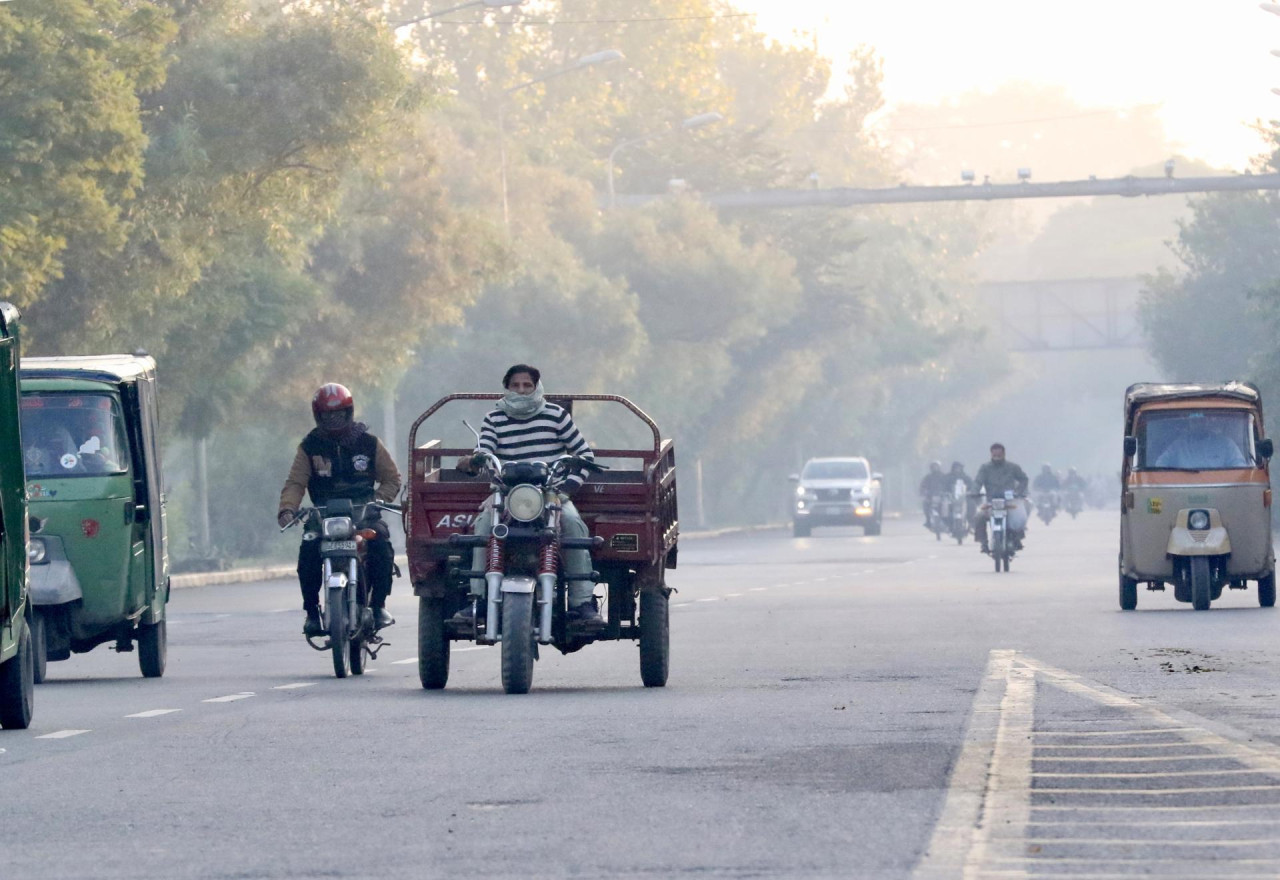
1130	446
1266	448
473	430
878	477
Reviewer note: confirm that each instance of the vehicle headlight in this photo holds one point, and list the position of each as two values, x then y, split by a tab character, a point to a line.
1198	520
524	502
800	491
337	528
36	551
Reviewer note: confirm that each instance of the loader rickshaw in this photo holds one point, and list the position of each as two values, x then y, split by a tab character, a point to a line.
99	554
629	509
17	653
1196	504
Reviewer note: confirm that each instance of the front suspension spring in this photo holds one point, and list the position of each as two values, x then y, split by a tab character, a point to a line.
550	556
495	561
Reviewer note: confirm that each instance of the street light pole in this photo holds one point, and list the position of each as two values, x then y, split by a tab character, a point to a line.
605	57
702	119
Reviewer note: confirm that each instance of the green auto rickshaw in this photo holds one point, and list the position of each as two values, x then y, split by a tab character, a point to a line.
99	554
17	653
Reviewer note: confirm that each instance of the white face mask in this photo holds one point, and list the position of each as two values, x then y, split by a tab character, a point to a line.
523	406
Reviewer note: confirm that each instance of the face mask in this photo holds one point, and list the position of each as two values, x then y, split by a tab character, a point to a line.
523	406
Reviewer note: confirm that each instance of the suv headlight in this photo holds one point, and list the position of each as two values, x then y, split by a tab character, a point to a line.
37	552
337	528
524	502
1198	520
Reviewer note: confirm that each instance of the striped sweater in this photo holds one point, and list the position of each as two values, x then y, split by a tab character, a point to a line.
544	437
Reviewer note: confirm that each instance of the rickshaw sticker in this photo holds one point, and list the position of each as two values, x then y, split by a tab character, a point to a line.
35	490
1155	505
360	463
89	527
68	461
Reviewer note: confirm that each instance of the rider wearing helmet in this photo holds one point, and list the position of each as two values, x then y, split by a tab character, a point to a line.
1074	481
1046	480
934	483
341	459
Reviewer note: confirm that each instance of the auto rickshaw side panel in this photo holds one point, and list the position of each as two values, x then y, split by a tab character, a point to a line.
13	491
142	415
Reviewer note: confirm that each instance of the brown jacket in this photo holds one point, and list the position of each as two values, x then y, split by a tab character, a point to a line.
385	472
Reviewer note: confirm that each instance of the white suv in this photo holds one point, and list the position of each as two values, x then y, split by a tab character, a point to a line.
836	491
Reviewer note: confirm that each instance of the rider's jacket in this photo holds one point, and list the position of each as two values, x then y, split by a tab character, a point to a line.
541	437
1045	483
359	468
998	477
936	484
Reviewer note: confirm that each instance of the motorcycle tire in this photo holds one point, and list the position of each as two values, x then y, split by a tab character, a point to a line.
433	645
358	656
1267	590
655	638
153	648
517	643
18	684
39	646
1201	587
338	641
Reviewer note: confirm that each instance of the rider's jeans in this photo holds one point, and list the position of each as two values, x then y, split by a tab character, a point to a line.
575	561
379	561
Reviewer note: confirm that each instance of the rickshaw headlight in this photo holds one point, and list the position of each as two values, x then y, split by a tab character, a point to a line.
1198	520
36	551
338	528
524	502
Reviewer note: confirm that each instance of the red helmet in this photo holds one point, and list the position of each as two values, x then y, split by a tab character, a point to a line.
332	398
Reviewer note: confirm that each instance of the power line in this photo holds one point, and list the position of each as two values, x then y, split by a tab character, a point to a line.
553	22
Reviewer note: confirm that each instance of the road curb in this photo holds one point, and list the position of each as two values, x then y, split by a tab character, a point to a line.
283	572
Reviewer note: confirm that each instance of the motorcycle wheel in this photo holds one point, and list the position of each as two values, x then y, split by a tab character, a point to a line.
1128	593
997	550
1006	563
517	642
1267	590
433	645
655	638
358	656
18	684
39	649
153	647
799	530
1200	586
338	640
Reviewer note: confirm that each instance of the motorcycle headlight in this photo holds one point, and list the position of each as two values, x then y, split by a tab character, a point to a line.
524	502
338	528
36	551
1198	520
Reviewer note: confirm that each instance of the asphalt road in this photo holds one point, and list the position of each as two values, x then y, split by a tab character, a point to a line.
839	706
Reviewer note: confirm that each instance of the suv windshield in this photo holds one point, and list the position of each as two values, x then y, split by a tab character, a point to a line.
834	470
1195	440
72	435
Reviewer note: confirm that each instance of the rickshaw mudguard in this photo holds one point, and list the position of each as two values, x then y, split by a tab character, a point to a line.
54	581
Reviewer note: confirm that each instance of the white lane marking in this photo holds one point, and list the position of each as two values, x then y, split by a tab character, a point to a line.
680	604
472	648
1149	808
757	589
404	661
281	610
1172	745
153	713
732	595
708	599
1144	730
1094	759
1153	774
293	686
1149	792
1116	841
962	809
62	734
230	698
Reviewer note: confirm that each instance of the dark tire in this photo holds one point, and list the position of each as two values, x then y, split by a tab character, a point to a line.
1128	593
872	529
338	641
517	642
1267	590
153	648
433	644
39	647
358	657
800	530
1201	587
1005	562
997	549
18	684
655	638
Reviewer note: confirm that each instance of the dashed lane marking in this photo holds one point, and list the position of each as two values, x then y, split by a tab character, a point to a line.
404	662
153	713
757	589
732	595
230	698
708	599
62	734
293	686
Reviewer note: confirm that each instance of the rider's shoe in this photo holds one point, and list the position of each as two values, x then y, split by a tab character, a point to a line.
983	548
313	625
381	618
585	613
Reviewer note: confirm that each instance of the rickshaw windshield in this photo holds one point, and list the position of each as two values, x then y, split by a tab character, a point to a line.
1196	440
835	470
73	435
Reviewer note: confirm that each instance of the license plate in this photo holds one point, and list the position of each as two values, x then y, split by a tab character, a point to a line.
337	546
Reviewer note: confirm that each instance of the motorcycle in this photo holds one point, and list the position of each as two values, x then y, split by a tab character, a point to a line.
526	599
1005	524
939	515
959	511
352	636
1073	502
1046	506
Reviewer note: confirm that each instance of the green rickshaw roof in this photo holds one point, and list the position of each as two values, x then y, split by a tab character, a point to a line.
114	368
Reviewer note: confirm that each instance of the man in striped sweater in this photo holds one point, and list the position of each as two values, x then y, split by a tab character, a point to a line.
524	427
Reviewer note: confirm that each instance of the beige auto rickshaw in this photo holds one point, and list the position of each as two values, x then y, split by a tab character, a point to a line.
1196	504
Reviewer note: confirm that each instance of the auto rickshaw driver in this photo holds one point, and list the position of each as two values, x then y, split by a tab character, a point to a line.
1201	444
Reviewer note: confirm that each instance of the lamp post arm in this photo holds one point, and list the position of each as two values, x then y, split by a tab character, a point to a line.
470	4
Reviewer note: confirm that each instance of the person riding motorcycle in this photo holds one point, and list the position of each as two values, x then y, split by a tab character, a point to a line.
339	458
997	476
525	427
1046	480
934	483
957	473
1074	481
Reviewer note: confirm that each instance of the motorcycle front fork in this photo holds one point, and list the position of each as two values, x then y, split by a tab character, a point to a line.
331	580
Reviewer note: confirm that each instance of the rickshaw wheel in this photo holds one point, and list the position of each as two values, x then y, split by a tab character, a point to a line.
1200	585
655	638
1128	593
433	645
153	646
18	685
39	650
517	642
1267	589
338	640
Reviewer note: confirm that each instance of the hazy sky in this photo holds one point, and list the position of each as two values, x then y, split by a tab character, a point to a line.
1206	63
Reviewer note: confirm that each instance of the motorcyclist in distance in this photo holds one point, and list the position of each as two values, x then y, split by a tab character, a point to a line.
997	476
341	459
1074	481
1046	480
934	483
957	473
